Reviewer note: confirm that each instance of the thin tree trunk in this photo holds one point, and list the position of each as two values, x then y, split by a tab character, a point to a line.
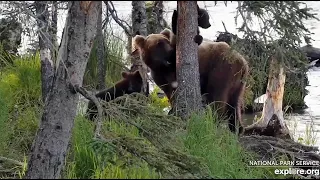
45	47
187	98
139	26
49	148
272	121
160	22
100	52
54	30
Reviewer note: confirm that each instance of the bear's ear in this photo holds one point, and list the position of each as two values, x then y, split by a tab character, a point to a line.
166	32
138	41
124	74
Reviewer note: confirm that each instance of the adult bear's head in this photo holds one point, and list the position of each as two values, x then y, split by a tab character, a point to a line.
155	50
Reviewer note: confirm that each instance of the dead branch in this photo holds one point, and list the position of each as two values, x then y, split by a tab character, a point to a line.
12	161
224	26
125	26
95	100
170	161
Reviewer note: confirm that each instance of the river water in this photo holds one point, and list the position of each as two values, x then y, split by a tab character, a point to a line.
298	123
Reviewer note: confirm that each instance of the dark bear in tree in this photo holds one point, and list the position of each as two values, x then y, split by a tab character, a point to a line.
131	82
222	71
203	21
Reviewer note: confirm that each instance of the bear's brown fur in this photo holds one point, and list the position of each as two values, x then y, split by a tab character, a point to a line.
222	70
131	82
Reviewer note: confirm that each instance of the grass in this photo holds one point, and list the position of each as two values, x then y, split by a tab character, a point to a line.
220	149
20	98
113	56
20	111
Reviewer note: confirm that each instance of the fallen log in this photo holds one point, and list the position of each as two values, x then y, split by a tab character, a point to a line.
262	142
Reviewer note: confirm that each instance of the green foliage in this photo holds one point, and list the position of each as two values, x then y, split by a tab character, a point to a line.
281	18
161	103
280	35
20	98
205	138
6	58
91	159
220	149
114	48
10	35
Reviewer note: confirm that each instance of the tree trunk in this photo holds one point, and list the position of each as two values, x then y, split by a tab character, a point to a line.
45	47
155	20
100	52
49	148
187	98
139	27
54	30
272	121
160	22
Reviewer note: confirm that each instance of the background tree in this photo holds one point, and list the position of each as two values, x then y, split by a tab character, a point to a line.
45	45
156	22
10	34
54	29
187	97
49	149
139	27
100	52
286	22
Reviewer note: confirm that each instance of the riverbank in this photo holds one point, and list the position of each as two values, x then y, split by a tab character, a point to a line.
303	124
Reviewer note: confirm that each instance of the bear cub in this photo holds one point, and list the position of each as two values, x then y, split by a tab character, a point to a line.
131	83
203	21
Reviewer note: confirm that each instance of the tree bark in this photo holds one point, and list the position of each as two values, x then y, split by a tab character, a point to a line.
187	98
49	148
45	47
160	22
272	121
100	52
156	22
54	30
139	26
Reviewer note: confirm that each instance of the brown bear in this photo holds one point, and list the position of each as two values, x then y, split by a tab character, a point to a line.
222	71
131	82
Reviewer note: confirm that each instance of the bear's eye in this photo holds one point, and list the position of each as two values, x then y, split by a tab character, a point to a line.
160	43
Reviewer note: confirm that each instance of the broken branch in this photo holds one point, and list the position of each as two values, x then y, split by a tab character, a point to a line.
95	100
125	26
